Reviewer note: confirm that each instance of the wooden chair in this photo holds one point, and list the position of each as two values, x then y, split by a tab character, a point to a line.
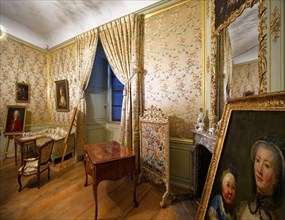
154	148
39	164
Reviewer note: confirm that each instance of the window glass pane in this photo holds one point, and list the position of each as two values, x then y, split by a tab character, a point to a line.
116	113
117	98
116	84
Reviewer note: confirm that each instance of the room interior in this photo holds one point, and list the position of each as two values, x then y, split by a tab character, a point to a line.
181	62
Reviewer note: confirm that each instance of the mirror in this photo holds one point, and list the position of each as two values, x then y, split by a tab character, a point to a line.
238	57
244	43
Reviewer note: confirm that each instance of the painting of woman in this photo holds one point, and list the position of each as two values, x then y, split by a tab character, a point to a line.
268	170
62	100
61	96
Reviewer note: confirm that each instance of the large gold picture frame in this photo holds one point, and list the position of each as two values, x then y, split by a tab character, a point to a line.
246	123
262	61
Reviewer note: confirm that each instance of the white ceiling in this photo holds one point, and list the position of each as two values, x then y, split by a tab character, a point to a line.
244	36
47	23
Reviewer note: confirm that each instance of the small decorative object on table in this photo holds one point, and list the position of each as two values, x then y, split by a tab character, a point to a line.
214	129
200	121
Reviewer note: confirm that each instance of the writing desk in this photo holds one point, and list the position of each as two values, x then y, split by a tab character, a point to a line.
108	161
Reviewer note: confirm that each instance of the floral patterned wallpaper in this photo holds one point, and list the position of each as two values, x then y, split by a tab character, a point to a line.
244	78
173	65
20	63
63	67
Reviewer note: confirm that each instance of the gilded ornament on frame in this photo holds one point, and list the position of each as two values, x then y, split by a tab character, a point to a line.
251	136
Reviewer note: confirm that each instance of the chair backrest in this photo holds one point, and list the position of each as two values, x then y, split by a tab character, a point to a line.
45	152
154	141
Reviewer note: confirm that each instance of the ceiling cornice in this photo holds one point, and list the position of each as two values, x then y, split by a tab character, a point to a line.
148	11
10	36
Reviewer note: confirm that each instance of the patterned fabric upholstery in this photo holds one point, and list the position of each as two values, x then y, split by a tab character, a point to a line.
58	134
154	148
39	164
32	167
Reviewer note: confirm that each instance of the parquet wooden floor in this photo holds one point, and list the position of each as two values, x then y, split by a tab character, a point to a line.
65	197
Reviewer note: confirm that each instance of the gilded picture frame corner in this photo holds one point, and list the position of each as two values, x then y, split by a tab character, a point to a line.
268	108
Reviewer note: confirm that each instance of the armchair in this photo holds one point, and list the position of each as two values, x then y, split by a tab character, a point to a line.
37	165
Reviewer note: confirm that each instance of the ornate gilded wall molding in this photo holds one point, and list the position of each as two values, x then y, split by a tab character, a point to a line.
213	68
262	62
233	16
275	25
208	64
208	3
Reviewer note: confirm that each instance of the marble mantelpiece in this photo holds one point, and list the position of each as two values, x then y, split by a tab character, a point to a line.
201	140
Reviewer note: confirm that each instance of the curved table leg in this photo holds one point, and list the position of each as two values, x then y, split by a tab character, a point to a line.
95	186
86	174
135	175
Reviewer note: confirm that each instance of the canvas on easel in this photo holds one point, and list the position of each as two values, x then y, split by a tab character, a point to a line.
14	124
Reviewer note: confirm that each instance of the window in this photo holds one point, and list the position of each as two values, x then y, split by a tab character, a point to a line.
105	86
117	89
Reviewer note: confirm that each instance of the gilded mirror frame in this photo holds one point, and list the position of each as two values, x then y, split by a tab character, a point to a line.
262	62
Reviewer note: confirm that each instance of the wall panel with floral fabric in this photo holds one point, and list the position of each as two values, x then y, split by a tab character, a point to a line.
21	63
173	65
63	67
244	78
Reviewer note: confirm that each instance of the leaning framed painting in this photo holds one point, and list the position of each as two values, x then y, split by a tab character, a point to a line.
23	91
246	176
15	120
61	96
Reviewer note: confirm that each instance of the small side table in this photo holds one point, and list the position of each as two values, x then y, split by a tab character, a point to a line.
108	161
23	141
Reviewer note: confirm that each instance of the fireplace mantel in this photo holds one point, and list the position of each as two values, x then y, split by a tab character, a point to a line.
201	141
202	138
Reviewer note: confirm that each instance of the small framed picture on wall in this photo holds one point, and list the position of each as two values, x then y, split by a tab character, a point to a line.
23	91
61	96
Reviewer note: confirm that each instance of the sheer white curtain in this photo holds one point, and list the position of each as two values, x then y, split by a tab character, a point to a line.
122	41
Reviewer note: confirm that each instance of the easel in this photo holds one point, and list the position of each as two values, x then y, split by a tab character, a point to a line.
73	123
6	146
